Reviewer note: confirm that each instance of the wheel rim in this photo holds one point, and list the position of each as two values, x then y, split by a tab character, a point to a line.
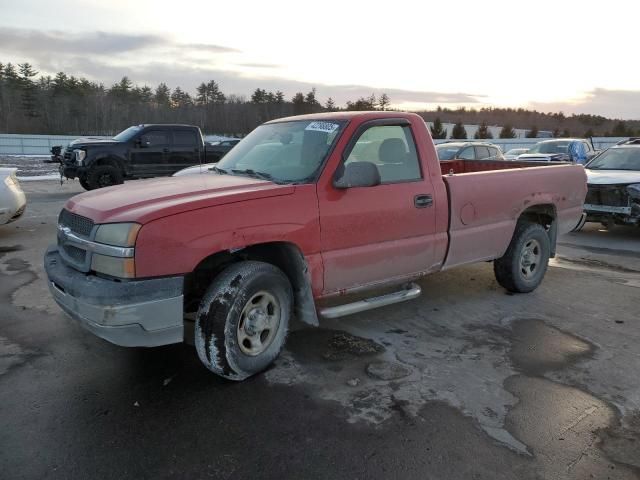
105	180
530	259
258	323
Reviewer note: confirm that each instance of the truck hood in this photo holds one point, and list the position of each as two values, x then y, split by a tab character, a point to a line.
88	141
146	200
612	177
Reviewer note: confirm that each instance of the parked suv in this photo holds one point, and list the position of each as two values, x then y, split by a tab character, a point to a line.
469	151
141	151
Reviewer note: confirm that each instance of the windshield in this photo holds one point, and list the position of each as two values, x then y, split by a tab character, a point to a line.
550	147
447	152
617	159
286	152
127	134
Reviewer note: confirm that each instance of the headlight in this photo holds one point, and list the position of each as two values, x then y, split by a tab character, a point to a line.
118	234
634	191
80	156
114	266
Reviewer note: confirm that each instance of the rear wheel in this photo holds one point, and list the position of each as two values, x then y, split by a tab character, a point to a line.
243	319
104	176
523	266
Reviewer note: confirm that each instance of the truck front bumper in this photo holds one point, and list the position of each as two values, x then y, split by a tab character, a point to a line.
137	313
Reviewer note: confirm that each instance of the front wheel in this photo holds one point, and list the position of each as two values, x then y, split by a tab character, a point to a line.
524	264
104	176
243	319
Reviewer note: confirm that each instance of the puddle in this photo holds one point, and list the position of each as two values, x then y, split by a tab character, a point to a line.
11	355
560	424
538	348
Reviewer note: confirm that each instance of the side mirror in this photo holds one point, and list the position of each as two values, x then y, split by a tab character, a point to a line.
142	143
357	174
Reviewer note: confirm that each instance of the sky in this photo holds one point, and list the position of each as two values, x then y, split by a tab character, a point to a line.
570	56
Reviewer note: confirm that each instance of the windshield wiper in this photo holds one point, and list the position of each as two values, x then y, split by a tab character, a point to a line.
252	173
219	170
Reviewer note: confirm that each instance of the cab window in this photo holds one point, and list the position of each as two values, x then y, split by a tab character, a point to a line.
392	149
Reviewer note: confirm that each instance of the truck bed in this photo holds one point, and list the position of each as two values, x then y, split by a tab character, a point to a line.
469	166
485	203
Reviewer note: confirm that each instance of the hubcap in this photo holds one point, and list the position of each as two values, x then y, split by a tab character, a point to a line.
258	323
530	258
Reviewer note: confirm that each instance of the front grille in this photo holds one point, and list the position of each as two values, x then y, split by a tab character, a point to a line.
76	254
77	223
613	196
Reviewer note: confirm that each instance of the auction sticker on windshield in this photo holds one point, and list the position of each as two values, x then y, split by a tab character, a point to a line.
327	127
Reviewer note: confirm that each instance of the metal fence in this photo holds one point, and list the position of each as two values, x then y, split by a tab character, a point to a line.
27	145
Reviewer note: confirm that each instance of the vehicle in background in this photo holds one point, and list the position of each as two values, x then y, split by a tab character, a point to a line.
514	153
468	151
217	150
12	199
613	182
141	151
304	211
560	150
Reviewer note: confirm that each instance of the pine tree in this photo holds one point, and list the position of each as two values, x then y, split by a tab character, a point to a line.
330	106
507	132
483	131
279	97
459	131
533	133
29	90
383	101
621	130
589	133
162	96
298	103
437	130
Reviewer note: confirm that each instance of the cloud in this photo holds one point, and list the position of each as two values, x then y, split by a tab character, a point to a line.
259	65
623	104
203	47
42	44
101	56
30	42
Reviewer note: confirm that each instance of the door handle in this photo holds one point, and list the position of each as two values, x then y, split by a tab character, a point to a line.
422	201
165	150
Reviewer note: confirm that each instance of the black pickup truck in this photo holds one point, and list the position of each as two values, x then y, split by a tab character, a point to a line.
141	151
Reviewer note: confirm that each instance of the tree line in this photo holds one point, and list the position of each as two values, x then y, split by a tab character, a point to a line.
66	104
559	124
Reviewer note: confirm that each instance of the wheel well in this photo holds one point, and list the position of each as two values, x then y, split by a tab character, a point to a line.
109	161
286	256
545	215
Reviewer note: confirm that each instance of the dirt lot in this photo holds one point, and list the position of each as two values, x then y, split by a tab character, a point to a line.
466	382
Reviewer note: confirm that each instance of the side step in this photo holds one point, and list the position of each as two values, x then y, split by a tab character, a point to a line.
412	291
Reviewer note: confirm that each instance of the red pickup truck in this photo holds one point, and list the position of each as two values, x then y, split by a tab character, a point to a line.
302	210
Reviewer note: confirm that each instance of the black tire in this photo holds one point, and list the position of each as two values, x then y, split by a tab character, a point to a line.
524	264
84	183
104	176
227	341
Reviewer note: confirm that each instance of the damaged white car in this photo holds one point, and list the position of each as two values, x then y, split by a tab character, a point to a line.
613	180
12	198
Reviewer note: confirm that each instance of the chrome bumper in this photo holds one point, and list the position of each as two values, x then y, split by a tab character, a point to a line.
138	313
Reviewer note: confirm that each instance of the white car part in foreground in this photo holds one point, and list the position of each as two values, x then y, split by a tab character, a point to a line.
12	198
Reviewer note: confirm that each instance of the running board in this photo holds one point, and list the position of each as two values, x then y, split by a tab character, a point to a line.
409	293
